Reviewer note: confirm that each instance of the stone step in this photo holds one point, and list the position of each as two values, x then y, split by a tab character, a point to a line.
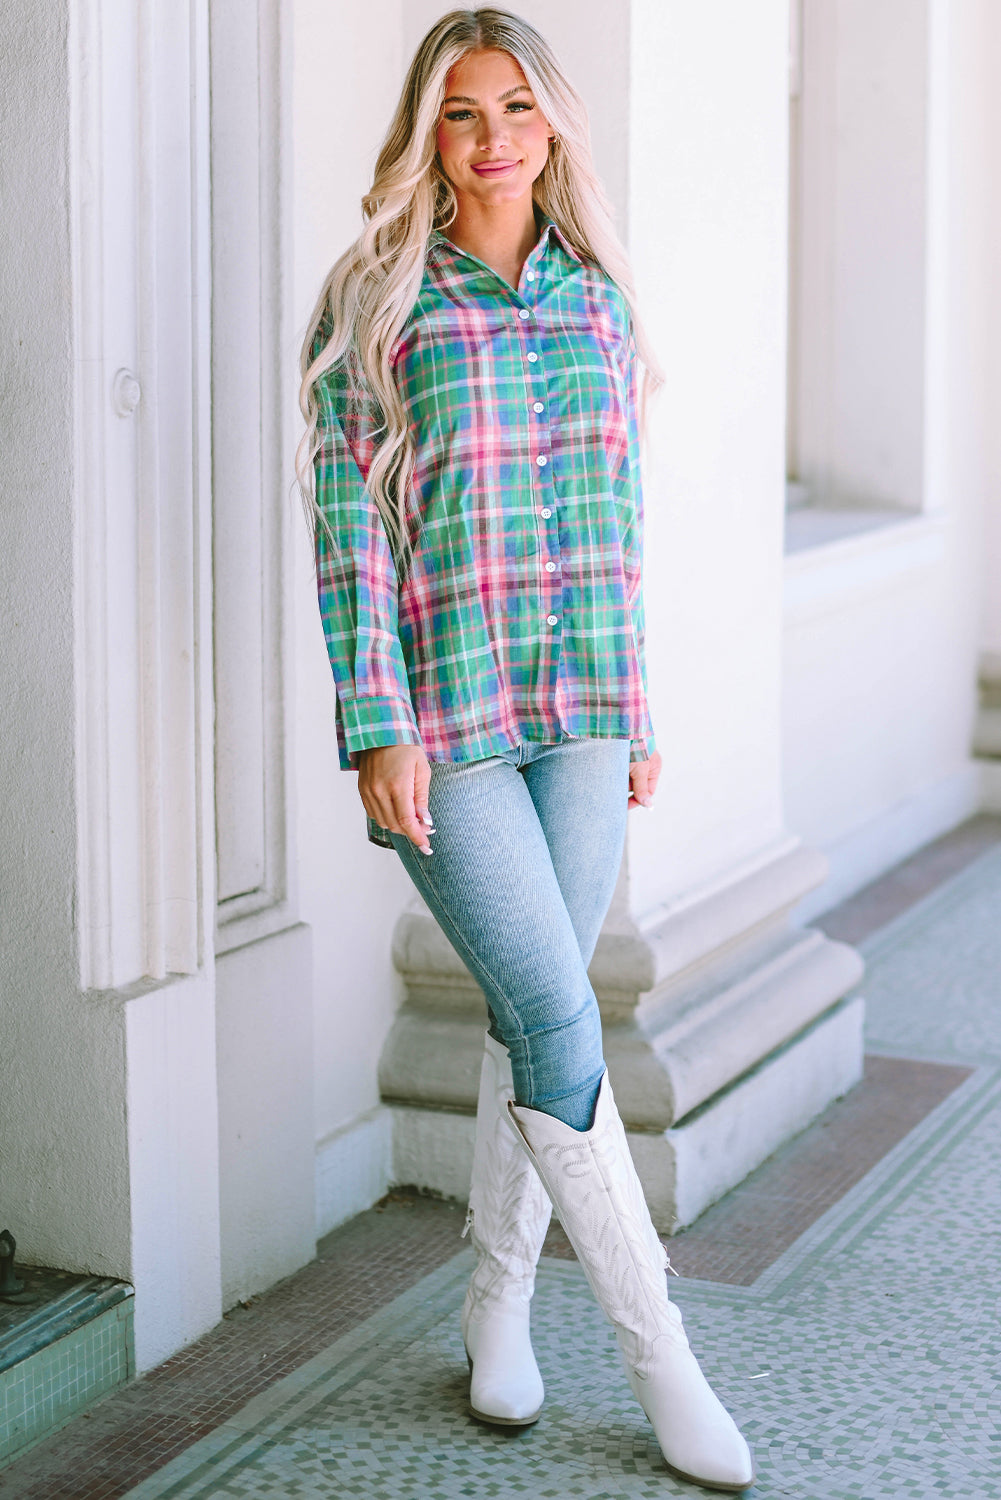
71	1343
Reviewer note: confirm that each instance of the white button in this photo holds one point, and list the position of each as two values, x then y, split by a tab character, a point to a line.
550	567
529	275
532	358
542	460
550	619
538	406
524	313
547	512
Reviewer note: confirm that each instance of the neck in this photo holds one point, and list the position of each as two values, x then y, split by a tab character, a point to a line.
501	234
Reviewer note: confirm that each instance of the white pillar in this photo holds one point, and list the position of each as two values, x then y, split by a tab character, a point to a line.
725	1028
156	1105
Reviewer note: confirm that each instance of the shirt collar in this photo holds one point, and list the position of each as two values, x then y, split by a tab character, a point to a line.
548	231
551	230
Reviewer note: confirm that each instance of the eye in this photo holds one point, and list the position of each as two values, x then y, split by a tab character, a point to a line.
520	105
459	114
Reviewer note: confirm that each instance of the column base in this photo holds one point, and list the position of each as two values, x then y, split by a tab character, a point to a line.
726	1032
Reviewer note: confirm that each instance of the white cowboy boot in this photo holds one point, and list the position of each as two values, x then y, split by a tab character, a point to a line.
590	1177
509	1214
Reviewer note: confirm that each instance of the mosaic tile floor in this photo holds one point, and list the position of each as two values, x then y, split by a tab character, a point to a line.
856	1268
863	1362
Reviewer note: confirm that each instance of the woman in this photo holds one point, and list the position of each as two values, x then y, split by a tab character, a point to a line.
471	463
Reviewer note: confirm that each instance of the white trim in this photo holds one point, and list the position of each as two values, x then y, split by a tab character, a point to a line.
871	849
354	1168
254	650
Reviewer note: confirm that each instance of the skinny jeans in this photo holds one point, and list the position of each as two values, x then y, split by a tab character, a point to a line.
527	846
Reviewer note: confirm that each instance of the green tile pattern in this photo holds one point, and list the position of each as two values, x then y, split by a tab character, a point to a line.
49	1386
864	1363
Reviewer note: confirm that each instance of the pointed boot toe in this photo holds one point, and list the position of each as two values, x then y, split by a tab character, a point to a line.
505	1386
698	1437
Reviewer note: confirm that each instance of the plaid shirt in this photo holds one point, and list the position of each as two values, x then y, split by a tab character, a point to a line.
521	615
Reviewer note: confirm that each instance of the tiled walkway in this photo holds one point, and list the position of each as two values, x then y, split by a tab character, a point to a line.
844	1299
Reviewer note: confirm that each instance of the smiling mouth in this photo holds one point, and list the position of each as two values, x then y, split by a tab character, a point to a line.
495	168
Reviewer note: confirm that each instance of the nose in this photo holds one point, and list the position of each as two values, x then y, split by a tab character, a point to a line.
492	133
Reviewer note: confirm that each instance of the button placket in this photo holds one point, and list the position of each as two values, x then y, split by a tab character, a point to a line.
550	553
542	443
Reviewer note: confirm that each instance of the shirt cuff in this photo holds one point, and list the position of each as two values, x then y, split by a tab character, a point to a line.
642	749
371	722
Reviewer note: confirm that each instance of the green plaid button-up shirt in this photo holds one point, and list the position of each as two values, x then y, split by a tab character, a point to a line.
521	614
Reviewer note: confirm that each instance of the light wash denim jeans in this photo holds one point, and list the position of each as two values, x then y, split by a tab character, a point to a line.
527	846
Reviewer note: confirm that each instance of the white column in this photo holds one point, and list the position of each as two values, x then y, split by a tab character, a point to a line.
144	661
725	1028
743	1015
109	1092
263	962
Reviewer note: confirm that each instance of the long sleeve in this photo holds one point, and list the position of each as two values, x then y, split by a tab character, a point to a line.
642	748
357	582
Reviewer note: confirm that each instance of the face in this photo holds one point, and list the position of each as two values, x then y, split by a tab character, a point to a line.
493	139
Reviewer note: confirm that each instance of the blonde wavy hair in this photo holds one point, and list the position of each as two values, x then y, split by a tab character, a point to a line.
367	298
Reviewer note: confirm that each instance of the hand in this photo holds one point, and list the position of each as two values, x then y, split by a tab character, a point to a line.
643	778
393	783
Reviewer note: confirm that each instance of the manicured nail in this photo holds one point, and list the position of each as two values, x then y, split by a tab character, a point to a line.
427	851
426	818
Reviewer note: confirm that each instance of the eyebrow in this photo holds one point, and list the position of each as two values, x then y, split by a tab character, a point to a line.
519	88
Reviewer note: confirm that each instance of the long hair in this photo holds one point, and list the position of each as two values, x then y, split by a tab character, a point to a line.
366	299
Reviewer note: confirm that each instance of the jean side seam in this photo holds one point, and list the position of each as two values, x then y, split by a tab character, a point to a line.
475	963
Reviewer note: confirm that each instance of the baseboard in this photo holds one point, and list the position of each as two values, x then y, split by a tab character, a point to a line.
353	1168
724	1142
433	1149
866	853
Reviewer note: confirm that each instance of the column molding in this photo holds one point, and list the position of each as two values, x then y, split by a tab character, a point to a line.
143	671
252	386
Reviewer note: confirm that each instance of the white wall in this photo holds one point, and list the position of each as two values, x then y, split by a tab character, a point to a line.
708	240
882	631
862	251
347	70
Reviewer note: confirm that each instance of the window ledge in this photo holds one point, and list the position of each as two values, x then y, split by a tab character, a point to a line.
810	526
839	566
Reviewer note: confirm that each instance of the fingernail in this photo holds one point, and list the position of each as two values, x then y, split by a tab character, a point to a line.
427	851
426	818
